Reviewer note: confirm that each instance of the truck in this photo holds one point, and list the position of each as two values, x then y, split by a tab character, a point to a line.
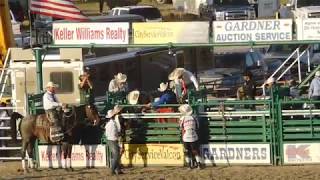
228	9
301	9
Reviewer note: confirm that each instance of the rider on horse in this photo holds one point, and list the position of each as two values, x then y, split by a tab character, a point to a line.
51	105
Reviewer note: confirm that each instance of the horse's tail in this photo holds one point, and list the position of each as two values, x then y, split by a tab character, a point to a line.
13	124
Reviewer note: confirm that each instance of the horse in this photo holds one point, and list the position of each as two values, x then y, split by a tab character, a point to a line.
33	127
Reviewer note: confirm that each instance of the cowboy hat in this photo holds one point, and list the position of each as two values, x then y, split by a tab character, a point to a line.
270	80
176	73
133	97
163	87
51	84
114	111
121	78
317	74
185	109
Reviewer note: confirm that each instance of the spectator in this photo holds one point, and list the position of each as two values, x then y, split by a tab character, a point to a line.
119	83
86	88
113	134
314	89
249	86
294	90
189	127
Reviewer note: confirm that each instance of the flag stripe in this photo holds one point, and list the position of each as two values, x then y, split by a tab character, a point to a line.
64	9
54	9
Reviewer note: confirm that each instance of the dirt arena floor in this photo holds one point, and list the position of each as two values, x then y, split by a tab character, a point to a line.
12	170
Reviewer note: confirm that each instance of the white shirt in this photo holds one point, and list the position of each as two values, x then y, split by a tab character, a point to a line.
189	125
188	77
112	132
114	86
50	101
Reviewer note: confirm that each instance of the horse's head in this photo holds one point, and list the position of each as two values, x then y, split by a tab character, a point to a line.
92	114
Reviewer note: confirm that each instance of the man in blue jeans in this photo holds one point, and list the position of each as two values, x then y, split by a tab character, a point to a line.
113	136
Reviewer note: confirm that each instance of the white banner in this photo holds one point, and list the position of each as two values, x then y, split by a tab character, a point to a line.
301	153
90	33
82	156
252	30
308	29
236	154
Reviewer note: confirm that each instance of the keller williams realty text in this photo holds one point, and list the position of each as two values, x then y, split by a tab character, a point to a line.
89	34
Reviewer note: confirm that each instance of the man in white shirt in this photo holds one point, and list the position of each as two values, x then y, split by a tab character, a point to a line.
189	127
113	130
50	105
186	76
118	83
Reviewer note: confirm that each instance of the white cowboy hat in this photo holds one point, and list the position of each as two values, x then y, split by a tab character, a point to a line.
270	80
121	78
114	111
51	84
163	87
185	109
176	73
317	74
133	97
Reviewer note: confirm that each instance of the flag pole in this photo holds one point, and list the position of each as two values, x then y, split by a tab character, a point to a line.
30	21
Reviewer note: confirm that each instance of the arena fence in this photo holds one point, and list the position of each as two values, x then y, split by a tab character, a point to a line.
258	132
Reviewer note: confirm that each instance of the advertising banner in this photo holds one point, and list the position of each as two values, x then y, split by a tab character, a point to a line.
82	156
301	153
236	154
308	29
153	155
252	30
174	32
90	33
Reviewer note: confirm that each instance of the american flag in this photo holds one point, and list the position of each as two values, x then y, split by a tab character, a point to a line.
64	9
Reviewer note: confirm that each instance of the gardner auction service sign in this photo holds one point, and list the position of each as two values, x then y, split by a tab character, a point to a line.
252	30
90	33
81	156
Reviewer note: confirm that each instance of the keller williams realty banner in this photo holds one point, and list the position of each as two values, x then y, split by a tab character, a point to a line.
90	33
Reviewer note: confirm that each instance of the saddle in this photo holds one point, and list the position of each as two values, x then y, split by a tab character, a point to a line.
55	132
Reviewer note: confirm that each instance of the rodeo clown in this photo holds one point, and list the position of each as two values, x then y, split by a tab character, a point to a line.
189	126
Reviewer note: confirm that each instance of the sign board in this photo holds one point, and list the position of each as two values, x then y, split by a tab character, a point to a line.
236	154
82	156
252	30
90	33
301	153
174	32
153	155
308	29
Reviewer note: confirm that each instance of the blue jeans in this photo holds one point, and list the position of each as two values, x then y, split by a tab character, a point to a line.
115	154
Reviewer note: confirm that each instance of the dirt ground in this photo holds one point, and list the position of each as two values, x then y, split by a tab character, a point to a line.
12	170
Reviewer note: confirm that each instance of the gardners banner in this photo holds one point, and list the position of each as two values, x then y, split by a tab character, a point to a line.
252	30
153	154
90	33
301	153
174	32
236	154
82	156
308	29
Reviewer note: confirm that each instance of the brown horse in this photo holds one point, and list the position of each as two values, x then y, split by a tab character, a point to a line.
34	127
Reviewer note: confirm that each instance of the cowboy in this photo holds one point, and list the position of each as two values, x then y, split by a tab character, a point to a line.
189	127
119	83
113	130
50	105
182	81
86	88
314	89
167	96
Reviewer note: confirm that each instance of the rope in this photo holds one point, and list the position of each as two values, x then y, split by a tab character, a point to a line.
222	110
